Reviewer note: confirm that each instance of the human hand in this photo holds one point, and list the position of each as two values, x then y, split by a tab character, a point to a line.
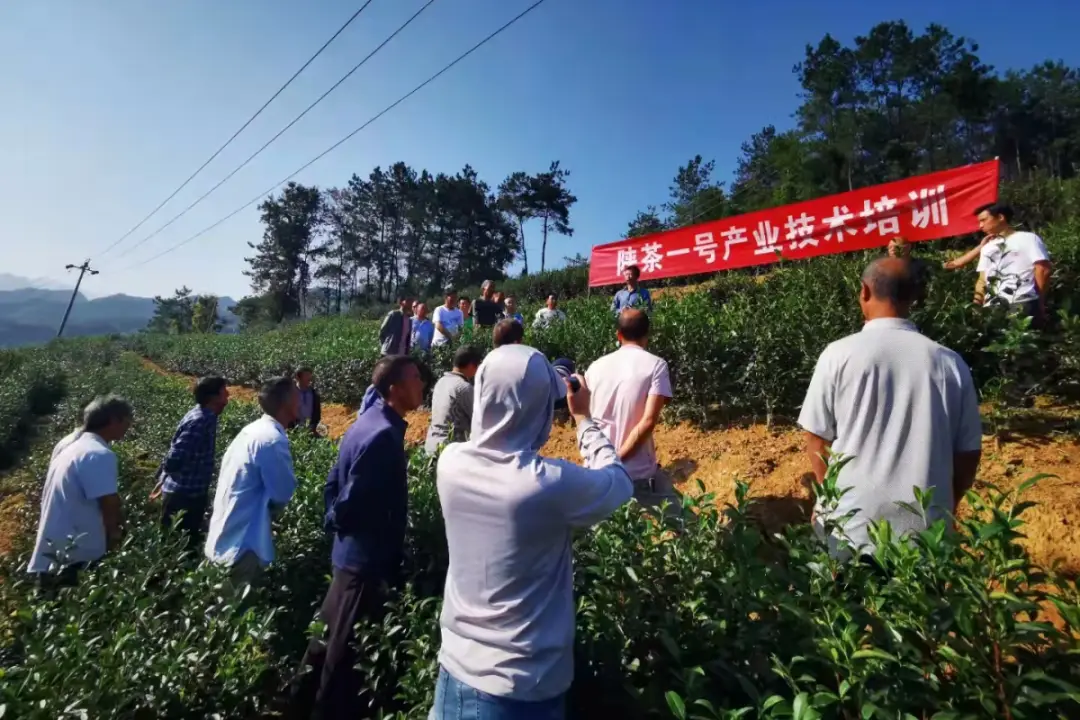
156	492
578	400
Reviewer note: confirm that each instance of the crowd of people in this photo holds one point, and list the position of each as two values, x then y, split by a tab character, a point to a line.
901	408
411	325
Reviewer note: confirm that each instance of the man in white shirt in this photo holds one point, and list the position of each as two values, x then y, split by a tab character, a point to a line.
255	483
80	505
901	406
549	314
630	387
448	320
1014	265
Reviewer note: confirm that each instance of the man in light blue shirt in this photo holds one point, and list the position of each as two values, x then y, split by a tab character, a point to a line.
255	483
633	295
423	330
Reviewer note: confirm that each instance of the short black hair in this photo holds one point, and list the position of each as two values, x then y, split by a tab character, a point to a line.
465	298
552	296
892	280
633	324
389	371
403	298
103	411
634	270
304	369
507	332
449	290
996	209
467	355
274	393
208	388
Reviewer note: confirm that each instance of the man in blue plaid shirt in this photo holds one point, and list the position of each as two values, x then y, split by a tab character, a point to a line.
185	473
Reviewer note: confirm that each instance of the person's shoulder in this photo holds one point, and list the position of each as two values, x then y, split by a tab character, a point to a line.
88	447
1027	236
198	417
942	353
843	348
600	364
263	432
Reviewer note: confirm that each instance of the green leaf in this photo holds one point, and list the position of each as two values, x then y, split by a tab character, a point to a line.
675	704
874	654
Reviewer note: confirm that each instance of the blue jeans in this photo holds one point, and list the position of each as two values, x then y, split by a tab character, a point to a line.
454	700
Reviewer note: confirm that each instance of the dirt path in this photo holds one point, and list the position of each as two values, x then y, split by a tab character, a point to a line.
772	461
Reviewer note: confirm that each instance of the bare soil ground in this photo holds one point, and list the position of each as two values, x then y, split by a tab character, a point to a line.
772	461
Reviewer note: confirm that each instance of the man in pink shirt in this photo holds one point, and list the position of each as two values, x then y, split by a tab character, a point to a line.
630	387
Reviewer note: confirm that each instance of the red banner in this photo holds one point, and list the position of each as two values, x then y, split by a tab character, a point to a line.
925	207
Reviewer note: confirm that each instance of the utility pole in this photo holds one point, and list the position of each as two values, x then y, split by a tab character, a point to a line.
83	269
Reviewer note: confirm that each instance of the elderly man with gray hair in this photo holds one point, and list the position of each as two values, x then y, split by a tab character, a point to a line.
901	407
80	503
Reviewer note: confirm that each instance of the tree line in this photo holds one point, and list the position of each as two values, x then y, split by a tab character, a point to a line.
892	104
399	230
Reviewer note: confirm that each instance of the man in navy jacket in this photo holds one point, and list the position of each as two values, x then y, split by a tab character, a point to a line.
366	512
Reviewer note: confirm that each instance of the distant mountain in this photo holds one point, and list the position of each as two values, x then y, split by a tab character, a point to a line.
15	282
29	315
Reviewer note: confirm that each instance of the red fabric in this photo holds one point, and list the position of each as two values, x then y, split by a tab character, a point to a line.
925	207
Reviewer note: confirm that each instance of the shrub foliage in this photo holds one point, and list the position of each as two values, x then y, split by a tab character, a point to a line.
722	620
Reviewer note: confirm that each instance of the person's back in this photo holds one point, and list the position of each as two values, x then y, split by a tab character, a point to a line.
495	529
83	468
899	403
369	537
256	474
452	400
508	610
621	383
451	411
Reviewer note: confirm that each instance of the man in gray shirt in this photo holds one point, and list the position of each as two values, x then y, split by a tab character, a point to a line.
902	407
452	401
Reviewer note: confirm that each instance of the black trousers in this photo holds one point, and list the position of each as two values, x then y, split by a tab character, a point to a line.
327	685
192	512
51	583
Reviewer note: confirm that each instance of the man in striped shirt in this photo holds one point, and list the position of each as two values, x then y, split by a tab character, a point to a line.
188	467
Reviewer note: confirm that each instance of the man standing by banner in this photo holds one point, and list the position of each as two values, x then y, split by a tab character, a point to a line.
633	295
1015	265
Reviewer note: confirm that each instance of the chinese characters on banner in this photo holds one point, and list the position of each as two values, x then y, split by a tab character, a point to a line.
925	207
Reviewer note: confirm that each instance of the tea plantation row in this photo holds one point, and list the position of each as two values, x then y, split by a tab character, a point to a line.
720	621
745	346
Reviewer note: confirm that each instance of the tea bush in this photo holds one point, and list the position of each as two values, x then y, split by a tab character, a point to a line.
741	344
722	620
29	390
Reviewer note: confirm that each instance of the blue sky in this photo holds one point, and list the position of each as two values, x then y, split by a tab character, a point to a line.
109	104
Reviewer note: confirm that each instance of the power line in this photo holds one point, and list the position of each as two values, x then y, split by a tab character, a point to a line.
237	133
340	142
281	132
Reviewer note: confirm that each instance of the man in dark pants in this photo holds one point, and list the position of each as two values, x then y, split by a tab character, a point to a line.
367	511
188	468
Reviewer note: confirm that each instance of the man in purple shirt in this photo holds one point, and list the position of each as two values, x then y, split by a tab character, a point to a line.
366	511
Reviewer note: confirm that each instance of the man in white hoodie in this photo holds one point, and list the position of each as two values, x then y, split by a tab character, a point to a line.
508	609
